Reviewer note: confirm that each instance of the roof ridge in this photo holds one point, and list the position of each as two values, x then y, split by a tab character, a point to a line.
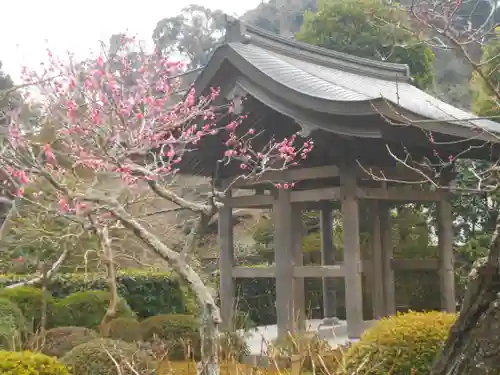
239	31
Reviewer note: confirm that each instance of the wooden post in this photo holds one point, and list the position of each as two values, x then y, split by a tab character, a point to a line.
446	266
283	256
352	254
387	255
328	259
226	262
378	301
298	282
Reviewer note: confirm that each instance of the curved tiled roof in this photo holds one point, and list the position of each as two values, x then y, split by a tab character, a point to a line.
328	82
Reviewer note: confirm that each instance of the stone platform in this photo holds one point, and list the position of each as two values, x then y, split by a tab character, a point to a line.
332	330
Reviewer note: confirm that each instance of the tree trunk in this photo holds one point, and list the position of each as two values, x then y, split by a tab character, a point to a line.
210	312
111	311
209	333
473	346
43	310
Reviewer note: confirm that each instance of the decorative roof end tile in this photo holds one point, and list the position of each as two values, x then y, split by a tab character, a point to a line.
236	31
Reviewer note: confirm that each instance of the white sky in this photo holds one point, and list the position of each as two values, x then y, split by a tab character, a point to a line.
28	27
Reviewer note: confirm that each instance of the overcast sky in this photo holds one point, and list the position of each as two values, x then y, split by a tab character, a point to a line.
29	26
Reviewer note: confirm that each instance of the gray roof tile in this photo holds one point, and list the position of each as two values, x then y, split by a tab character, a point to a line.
317	73
333	84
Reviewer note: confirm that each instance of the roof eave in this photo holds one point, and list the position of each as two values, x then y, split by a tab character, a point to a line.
447	127
262	84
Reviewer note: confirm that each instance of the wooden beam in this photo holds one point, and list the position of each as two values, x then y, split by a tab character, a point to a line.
319	205
226	261
400	194
298	232
241	272
334	271
316	195
352	254
388	174
249	201
446	266
329	171
328	259
289	175
387	261
283	255
377	274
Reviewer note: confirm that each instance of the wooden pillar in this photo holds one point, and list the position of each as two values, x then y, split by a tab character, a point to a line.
387	256
226	262
328	259
298	255
283	257
446	263
352	254
378	301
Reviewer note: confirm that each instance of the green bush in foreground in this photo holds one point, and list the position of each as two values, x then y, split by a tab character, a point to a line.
402	344
57	342
179	331
86	309
13	326
103	356
29	363
126	329
30	301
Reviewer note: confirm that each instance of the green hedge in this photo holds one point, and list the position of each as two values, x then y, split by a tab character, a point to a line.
256	297
86	309
157	293
147	293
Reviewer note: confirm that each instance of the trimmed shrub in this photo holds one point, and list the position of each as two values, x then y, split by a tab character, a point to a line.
86	309
58	341
402	344
101	356
30	301
126	329
13	326
179	331
148	293
29	363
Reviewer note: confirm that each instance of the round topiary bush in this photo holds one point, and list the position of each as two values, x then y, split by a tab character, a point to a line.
57	342
30	301
102	356
126	329
179	331
86	309
20	363
13	326
403	344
